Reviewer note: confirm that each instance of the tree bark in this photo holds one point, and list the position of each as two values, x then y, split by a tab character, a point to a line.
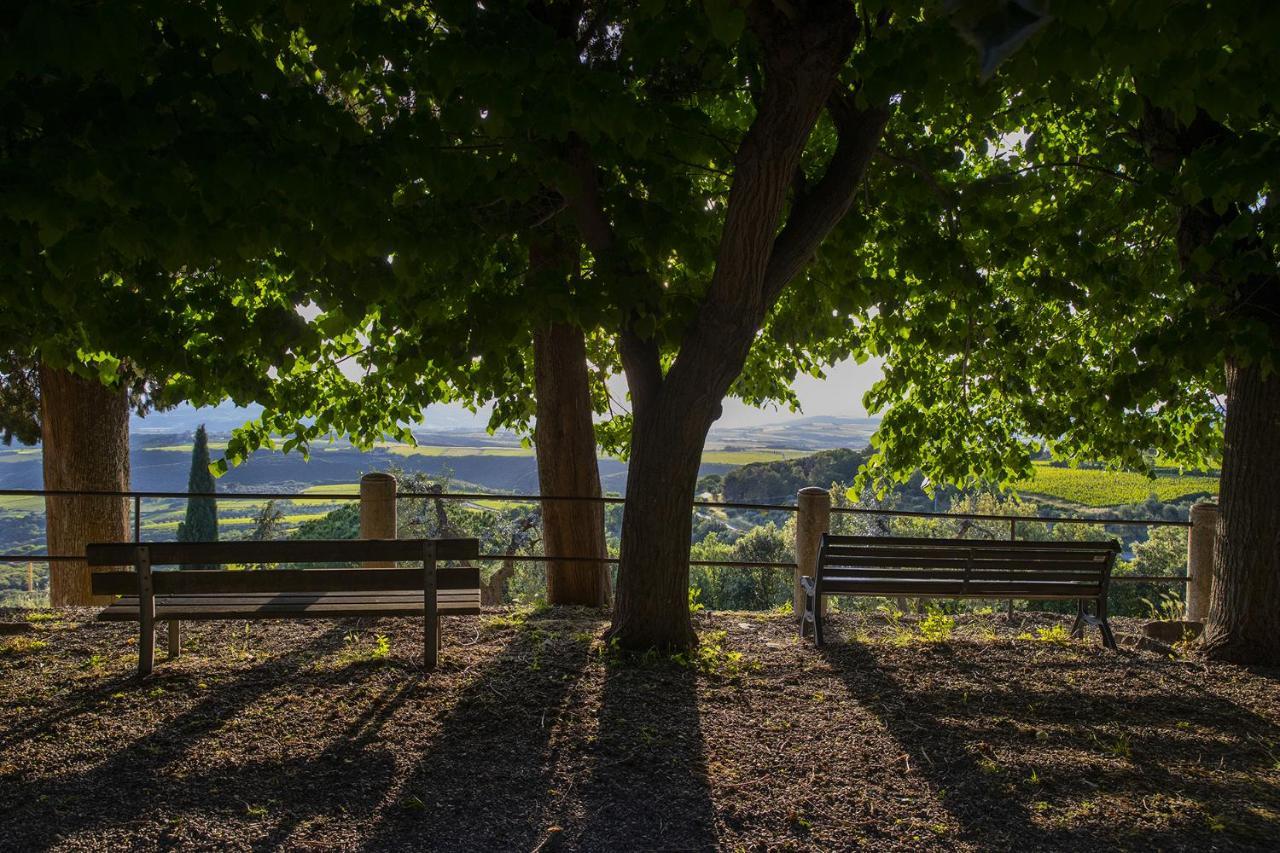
565	442
1244	611
85	446
652	607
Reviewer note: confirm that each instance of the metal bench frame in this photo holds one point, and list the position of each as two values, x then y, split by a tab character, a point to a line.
208	594
895	566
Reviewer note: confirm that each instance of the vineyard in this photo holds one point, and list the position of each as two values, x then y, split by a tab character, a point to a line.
1094	487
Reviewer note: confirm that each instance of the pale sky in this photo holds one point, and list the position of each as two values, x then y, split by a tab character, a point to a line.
839	395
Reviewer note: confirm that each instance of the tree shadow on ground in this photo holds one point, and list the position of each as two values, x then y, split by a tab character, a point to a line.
143	773
1046	766
646	786
485	775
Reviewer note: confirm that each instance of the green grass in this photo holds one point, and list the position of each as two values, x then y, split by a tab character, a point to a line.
746	457
1091	487
333	489
21	503
448	451
185	448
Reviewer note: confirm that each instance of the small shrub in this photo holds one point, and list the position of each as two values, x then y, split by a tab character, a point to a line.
43	616
711	657
891	613
695	601
1056	634
937	627
1168	607
22	646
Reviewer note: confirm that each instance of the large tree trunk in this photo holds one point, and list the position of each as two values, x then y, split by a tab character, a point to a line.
1244	614
85	446
652	608
566	446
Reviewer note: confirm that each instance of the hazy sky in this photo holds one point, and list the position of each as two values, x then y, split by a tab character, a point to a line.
839	394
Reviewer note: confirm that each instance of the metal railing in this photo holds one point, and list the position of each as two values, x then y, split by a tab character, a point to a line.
137	497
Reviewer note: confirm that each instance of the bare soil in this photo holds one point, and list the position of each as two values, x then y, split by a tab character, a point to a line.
531	735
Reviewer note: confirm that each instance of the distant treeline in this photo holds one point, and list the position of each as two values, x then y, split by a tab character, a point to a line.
778	482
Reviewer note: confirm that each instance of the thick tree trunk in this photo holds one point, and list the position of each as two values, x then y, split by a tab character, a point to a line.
85	446
566	446
652	609
1244	614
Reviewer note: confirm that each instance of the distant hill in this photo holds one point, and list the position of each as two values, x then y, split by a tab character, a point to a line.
821	432
778	482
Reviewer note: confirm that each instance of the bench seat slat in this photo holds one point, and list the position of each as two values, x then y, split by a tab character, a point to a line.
977	546
206	581
839	572
292	606
1019	544
872	561
956	588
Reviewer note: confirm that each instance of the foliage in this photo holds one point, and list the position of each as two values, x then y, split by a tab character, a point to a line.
743	588
778	482
937	626
19	399
712	657
341	523
1039	292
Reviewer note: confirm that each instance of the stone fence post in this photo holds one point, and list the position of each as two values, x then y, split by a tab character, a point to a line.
1200	539
813	520
378	510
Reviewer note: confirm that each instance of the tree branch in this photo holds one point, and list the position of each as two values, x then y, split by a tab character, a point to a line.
816	213
640	357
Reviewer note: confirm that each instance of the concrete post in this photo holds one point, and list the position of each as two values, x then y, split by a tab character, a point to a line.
1200	539
812	520
378	510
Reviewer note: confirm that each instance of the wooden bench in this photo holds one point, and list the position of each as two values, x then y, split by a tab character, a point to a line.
963	568
204	594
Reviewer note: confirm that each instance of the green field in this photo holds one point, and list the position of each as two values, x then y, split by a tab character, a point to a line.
1092	487
21	503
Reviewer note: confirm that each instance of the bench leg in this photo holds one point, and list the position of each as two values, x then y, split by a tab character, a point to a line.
817	622
175	639
146	644
430	610
1108	638
1077	630
146	614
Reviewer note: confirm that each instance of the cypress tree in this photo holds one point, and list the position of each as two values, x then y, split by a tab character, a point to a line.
201	524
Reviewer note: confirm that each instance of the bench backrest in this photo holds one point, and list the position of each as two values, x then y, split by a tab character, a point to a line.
988	564
199	581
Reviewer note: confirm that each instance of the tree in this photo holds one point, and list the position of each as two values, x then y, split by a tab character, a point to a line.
1108	280
268	523
201	523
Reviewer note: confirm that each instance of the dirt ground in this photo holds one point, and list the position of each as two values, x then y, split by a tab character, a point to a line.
532	735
